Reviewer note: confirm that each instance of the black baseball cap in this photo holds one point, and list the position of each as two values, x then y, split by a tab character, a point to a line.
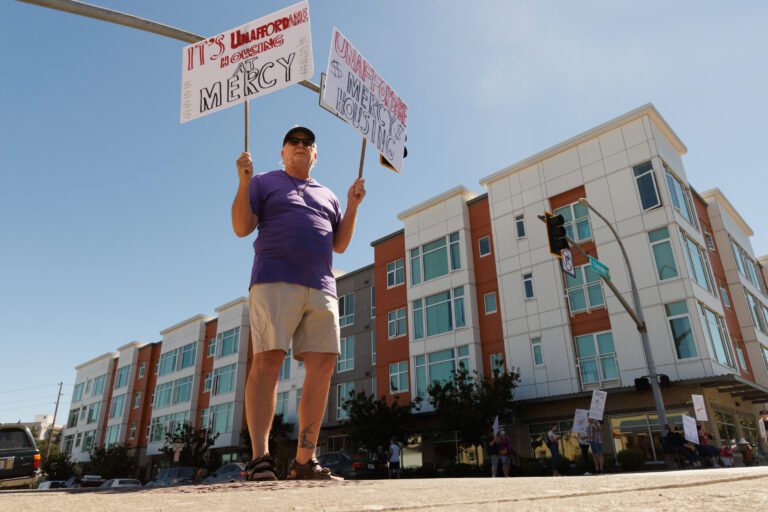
298	129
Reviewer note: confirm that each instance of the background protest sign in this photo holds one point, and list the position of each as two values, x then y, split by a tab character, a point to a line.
580	420
361	97
689	428
249	61
597	406
698	407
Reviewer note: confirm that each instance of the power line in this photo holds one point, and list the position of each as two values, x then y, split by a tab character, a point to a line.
29	406
26	389
26	399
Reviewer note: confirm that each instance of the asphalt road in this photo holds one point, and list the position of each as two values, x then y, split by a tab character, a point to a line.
700	490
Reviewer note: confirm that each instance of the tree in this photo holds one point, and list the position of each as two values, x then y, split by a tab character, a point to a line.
112	462
373	422
195	451
469	403
58	466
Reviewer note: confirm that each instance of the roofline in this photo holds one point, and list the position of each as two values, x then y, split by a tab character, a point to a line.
132	344
763	259
195	318
478	198
646	110
358	271
387	237
108	355
230	304
458	190
717	195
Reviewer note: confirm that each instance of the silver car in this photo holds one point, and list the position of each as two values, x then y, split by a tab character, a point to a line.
120	483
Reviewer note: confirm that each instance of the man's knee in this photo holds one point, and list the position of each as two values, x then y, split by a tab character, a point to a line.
269	361
319	362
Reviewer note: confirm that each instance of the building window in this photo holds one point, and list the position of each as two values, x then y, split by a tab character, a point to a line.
373	387
528	286
726	426
121	377
77	393
78	439
208	382
172	393
373	302
224	379
228	342
398	377
72	421
646	185
93	412
698	263
717	335
112	436
724	297
83	413
98	385
160	425
298	400
132	431
373	348
435	259
220	418
396	323
520	226
444	313
88	387
211	347
662	253
88	440
597	358
497	364
489	299
137	400
576	223
395	273
757	311
347	309
346	360
281	405
680	325
538	354
681	197
484	246
68	444
709	241
439	367
740	357
285	368
177	359
585	291
343	392
142	369
747	267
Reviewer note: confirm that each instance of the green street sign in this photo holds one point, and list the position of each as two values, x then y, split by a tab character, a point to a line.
599	267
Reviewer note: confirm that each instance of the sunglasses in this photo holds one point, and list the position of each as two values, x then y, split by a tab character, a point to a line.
295	141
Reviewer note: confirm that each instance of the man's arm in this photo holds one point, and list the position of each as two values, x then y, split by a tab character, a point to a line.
346	228
243	219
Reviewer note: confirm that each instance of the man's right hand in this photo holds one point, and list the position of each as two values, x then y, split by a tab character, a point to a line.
245	167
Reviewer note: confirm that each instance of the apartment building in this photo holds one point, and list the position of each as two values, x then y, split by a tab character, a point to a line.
469	281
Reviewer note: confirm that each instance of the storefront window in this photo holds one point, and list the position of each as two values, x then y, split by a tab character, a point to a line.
642	431
726	427
748	428
569	441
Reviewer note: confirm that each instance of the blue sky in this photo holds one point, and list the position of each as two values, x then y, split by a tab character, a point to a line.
114	218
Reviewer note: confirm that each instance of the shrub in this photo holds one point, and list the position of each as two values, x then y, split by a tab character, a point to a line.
631	459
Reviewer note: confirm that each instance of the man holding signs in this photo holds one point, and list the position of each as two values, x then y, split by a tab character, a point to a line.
292	298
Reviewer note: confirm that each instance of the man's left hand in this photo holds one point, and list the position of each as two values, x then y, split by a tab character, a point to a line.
356	193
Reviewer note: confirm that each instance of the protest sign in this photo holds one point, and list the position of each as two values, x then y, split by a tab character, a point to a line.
698	407
247	62
360	96
580	420
689	428
597	406
496	425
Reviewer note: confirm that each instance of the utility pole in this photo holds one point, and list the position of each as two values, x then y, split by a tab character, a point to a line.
53	423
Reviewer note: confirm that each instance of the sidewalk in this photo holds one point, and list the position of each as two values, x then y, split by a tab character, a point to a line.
699	490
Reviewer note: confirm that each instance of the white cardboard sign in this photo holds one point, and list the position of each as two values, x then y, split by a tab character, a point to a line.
597	407
698	407
580	420
247	62
689	427
360	96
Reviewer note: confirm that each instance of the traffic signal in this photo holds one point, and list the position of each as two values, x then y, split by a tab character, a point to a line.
664	381
556	233
642	384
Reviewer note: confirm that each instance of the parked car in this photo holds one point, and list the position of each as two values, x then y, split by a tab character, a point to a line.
51	484
84	481
19	457
352	466
120	483
231	472
173	476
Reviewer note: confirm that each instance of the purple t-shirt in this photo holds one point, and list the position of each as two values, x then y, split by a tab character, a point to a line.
295	241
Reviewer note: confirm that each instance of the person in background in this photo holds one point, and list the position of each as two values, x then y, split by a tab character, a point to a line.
746	452
394	459
704	447
493	451
595	436
504	450
553	442
584	445
726	454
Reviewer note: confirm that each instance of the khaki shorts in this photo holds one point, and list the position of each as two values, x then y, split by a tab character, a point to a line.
285	314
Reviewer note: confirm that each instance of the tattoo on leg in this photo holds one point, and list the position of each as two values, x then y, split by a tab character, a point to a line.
303	441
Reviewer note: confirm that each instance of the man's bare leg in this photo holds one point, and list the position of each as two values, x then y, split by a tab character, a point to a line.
314	397
261	396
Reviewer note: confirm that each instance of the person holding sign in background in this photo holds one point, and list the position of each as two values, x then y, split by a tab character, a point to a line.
292	298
